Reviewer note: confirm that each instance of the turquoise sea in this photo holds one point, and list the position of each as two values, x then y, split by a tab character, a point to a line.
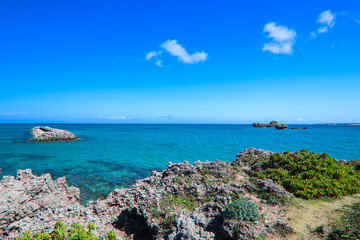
115	155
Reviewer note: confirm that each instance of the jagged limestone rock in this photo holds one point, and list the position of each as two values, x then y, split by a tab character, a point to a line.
48	134
192	196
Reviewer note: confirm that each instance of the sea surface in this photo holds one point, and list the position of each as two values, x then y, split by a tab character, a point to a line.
110	156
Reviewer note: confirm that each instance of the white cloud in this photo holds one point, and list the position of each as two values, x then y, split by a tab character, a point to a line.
152	54
358	21
159	63
327	20
177	50
313	35
299	119
116	118
282	39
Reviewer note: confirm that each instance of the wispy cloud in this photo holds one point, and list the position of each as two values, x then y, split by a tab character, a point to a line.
159	63
152	54
175	49
179	51
326	20
358	21
299	120
282	39
116	118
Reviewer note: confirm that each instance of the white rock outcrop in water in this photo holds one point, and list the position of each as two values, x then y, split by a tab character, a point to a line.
48	134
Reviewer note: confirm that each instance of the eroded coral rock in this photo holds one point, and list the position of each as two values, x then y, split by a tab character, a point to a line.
32	203
187	198
48	134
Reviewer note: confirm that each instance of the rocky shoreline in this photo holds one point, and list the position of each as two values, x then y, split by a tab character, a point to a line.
185	201
189	198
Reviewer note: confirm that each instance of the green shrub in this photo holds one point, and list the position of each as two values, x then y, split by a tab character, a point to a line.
241	209
205	174
77	232
168	221
312	175
349	226
154	211
226	180
273	198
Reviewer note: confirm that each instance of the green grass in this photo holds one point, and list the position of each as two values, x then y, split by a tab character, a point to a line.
274	199
348	227
185	201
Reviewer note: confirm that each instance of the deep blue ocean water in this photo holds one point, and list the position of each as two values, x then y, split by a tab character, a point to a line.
115	155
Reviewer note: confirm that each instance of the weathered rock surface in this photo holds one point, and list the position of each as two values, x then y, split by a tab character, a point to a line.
250	156
299	128
182	202
271	124
33	203
281	126
48	134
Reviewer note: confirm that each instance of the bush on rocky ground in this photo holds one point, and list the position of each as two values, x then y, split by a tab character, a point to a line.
241	209
77	232
311	175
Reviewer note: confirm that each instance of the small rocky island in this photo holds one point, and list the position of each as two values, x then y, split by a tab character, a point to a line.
48	134
281	126
274	124
299	128
271	124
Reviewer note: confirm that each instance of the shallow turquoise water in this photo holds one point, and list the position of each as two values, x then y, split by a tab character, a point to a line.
110	156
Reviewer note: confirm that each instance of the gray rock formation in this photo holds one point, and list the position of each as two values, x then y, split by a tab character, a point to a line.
31	203
250	157
281	126
48	134
299	128
271	124
182	202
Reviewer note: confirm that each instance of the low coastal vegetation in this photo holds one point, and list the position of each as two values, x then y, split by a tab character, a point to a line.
311	175
241	209
348	226
260	195
76	232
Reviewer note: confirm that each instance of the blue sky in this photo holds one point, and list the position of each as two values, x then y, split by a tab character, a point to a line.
180	61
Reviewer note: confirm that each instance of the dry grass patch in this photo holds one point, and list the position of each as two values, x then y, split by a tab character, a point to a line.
307	215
